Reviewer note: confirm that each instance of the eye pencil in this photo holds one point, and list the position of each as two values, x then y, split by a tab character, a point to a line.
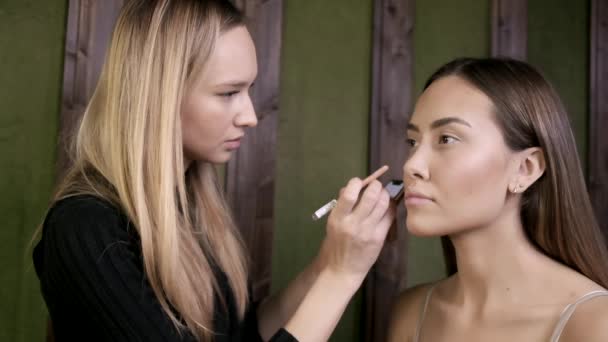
324	210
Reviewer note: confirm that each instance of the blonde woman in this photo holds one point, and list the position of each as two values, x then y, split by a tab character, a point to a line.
139	244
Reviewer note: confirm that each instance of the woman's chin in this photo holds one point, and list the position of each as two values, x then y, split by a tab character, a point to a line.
422	230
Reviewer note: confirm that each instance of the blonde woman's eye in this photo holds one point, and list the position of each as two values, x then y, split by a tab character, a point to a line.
228	94
410	142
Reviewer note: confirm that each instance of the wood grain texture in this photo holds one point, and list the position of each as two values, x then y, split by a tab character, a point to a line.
89	29
510	28
598	116
391	107
251	173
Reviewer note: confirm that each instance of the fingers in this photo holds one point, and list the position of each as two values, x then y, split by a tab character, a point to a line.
368	201
373	202
380	208
348	197
382	228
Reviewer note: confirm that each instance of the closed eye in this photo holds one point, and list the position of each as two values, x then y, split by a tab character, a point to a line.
228	94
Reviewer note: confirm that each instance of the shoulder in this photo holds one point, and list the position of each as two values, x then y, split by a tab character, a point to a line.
589	322
83	224
82	214
407	311
76	207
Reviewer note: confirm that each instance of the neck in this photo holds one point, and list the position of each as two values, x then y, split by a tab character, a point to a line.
496	263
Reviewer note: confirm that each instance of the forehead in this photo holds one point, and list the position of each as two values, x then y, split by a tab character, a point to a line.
453	96
233	58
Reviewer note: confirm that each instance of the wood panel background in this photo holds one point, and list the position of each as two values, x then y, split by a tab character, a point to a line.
250	174
598	116
392	75
510	28
88	33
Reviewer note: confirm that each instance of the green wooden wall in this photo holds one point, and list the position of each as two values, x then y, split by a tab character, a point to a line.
31	62
558	44
323	127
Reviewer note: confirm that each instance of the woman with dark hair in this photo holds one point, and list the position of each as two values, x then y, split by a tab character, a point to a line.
493	169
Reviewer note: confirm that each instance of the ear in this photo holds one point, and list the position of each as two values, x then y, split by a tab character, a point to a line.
531	166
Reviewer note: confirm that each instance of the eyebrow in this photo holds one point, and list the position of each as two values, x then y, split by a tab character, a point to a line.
236	84
439	123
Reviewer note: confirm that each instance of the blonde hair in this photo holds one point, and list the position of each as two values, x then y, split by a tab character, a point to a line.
129	151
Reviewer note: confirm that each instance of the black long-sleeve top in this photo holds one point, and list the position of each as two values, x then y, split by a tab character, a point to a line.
91	276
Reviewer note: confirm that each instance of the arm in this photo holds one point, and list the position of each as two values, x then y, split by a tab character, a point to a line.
311	306
275	310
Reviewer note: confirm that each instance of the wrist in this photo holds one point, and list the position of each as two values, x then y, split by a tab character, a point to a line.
339	281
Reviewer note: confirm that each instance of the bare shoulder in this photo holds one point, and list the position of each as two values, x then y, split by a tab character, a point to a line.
406	312
589	322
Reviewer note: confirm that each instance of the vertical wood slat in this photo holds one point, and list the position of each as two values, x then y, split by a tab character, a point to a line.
89	28
390	110
598	116
510	28
250	175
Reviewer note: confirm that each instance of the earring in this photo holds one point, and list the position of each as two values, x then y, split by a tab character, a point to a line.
517	188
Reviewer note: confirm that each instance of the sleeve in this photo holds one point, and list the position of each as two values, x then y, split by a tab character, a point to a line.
93	275
283	336
252	330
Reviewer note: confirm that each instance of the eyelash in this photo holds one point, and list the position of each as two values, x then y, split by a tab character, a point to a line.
228	94
442	138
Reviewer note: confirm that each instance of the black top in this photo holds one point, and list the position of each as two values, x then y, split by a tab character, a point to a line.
91	276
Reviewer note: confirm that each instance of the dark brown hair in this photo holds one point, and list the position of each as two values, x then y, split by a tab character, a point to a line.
556	211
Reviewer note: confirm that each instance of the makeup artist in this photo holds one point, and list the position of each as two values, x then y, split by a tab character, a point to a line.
138	243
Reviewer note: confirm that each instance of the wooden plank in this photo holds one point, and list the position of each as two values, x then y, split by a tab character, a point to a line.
510	28
598	116
89	29
250	175
391	106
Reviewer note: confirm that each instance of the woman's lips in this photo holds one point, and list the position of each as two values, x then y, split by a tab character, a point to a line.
233	144
416	199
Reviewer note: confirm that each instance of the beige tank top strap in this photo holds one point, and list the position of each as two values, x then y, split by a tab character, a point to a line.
569	310
423	310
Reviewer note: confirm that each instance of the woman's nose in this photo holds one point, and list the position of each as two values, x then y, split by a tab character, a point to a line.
416	166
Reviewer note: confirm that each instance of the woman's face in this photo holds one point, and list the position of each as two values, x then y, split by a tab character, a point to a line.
458	166
217	108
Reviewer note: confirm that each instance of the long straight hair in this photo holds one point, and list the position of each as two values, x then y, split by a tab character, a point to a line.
129	151
556	211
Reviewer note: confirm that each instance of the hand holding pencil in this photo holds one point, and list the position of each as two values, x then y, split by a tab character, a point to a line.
357	228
